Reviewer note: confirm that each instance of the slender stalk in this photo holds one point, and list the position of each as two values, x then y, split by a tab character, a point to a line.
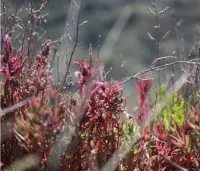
157	27
74	47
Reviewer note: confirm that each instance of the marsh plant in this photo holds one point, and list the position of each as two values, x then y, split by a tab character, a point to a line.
44	126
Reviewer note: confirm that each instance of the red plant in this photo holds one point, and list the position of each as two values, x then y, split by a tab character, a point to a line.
11	60
92	120
142	87
86	75
99	119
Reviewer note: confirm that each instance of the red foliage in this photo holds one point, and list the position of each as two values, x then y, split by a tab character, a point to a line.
142	87
11	61
92	120
87	75
99	118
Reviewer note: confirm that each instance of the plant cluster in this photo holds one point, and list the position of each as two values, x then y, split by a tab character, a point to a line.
84	130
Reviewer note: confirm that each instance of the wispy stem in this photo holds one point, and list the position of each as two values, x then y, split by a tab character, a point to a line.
74	47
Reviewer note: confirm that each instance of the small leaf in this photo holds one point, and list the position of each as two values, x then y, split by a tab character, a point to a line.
157	26
150	36
84	22
150	11
163	11
166	34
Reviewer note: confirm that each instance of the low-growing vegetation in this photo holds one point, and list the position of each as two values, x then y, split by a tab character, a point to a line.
44	126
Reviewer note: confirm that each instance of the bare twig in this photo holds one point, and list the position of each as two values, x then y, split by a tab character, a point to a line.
98	46
157	68
157	26
161	58
74	48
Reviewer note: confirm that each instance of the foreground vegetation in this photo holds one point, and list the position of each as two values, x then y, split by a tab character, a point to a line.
47	127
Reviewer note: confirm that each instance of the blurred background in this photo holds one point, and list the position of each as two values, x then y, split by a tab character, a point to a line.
123	29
